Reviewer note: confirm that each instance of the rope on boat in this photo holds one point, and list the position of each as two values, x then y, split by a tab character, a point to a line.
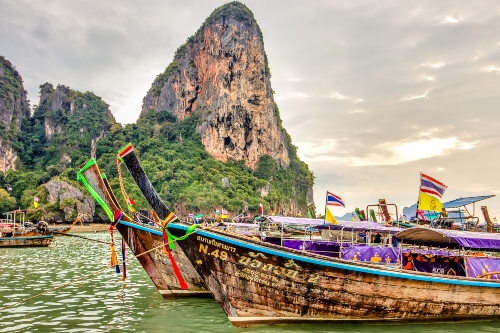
78	236
128	200
91	275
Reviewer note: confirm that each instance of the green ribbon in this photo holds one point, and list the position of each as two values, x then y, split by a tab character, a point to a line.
172	238
81	177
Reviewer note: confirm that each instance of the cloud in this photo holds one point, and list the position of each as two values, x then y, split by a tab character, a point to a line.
407	151
291	95
435	65
337	95
386	153
450	19
295	79
424	77
412	97
490	69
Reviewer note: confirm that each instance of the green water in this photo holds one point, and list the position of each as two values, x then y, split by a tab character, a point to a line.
106	304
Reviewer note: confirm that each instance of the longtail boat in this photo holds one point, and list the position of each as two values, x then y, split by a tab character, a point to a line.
141	238
14	233
26	241
163	215
257	282
61	230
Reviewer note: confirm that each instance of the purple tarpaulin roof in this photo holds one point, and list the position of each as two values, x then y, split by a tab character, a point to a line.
466	239
346	225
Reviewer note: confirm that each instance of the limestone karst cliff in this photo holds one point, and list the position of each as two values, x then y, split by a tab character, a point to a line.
221	72
65	127
14	107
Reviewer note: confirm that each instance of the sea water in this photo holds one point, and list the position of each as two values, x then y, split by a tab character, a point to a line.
105	303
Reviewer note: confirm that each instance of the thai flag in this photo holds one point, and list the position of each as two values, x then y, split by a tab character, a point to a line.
224	212
334	200
431	186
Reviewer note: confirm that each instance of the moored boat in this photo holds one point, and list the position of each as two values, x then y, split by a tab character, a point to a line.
26	241
142	238
14	233
257	282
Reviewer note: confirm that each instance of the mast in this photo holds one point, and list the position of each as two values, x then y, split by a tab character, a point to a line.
326	202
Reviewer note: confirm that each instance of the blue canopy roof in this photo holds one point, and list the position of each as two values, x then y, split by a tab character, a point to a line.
465	201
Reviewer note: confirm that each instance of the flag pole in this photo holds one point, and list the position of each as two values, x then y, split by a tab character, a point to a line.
326	202
418	200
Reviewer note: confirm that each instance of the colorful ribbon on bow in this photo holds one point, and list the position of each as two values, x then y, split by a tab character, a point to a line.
168	246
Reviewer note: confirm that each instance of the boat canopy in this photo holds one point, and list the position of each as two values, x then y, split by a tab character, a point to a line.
451	238
465	201
345	225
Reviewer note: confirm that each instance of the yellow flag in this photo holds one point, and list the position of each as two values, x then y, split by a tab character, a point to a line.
35	204
329	217
428	202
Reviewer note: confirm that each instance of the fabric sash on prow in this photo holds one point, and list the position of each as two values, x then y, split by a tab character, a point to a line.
96	184
165	215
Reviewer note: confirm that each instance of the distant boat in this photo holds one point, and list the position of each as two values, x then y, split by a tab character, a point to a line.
14	233
60	230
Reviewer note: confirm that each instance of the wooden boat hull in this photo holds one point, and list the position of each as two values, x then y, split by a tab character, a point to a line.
30	241
157	264
196	286
141	239
261	283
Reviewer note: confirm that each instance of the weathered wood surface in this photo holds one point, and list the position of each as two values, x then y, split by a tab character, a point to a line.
34	241
256	282
153	240
156	263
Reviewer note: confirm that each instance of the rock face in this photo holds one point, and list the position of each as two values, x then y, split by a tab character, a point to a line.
72	119
14	107
71	201
222	74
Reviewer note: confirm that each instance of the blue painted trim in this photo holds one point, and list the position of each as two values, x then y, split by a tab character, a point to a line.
340	265
140	227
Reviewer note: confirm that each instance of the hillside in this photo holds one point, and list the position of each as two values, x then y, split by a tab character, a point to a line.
14	107
209	134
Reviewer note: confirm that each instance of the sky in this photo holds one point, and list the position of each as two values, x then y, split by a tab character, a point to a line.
372	93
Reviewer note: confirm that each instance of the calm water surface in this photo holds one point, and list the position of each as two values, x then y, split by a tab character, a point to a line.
106	304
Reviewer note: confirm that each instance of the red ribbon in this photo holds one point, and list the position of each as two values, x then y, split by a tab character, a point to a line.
177	272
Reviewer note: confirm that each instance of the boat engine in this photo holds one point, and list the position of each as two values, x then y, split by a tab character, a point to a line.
42	227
